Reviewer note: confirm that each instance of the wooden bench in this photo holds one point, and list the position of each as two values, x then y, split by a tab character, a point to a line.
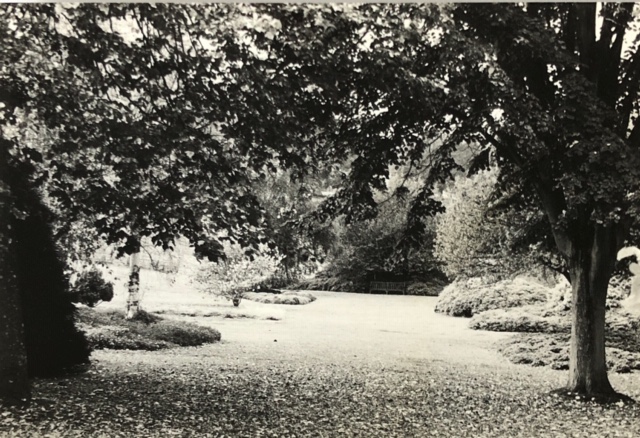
388	286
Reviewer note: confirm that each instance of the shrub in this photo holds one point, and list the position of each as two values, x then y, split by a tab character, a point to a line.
623	330
431	289
559	297
288	297
238	272
553	351
53	343
517	320
323	282
149	332
179	333
469	297
91	289
145	317
538	350
124	340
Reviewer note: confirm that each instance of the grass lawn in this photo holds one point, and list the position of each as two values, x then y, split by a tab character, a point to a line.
344	365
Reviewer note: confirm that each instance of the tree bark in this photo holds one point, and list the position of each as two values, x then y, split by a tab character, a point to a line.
133	298
591	266
14	382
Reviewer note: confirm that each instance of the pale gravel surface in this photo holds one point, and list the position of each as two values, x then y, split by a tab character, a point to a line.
345	365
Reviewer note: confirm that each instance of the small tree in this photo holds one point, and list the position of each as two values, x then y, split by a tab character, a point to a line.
466	242
238	272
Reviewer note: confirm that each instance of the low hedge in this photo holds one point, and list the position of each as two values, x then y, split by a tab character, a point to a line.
518	320
329	284
145	332
288	297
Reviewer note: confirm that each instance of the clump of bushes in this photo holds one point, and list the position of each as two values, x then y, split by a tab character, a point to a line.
538	350
91	289
518	320
123	339
559	297
553	351
469	297
54	345
145	332
431	289
325	283
289	297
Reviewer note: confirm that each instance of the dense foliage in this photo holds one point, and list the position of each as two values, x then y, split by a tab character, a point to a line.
91	289
53	343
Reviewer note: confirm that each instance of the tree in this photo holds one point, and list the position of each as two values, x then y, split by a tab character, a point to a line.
237	273
154	128
567	132
130	163
481	236
285	200
466	242
551	88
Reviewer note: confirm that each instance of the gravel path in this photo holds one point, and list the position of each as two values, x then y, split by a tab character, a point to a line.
345	365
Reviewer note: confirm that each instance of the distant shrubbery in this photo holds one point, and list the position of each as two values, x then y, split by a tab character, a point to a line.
146	332
321	282
469	297
289	297
91	289
432	288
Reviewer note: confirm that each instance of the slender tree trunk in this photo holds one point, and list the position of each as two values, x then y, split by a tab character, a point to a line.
14	383
133	299
591	270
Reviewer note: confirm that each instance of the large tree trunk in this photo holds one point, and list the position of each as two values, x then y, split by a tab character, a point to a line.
133	299
591	266
14	383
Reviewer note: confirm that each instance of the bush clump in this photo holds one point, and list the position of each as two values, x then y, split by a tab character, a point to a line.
517	320
538	350
469	297
53	343
91	289
124	340
559	297
145	332
432	289
326	283
289	297
553	351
